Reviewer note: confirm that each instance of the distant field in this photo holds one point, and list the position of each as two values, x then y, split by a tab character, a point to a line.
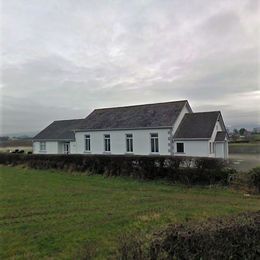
256	137
54	215
10	149
246	148
244	156
11	145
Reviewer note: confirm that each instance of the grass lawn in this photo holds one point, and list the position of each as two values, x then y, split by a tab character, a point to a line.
48	214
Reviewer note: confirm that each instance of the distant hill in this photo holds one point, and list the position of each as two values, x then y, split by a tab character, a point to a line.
22	135
16	143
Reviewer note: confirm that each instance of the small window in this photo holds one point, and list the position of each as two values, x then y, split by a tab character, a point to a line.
180	147
107	143
129	143
154	143
87	143
42	146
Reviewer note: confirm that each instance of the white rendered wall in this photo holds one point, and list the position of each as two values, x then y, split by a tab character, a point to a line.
176	124
141	141
73	147
220	149
196	148
60	147
51	148
217	128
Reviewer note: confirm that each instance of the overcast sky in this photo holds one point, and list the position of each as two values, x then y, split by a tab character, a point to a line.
62	59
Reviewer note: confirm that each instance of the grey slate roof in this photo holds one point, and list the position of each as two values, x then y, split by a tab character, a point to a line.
59	130
131	117
197	125
220	136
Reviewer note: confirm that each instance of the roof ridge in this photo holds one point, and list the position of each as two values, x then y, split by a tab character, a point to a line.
204	112
63	120
141	105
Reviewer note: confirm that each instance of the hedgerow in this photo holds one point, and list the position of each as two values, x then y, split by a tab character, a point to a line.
176	169
235	237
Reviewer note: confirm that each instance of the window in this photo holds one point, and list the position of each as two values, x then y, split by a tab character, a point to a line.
87	143
107	143
129	143
180	147
154	143
42	146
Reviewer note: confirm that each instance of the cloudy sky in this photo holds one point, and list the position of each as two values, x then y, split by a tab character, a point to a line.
62	59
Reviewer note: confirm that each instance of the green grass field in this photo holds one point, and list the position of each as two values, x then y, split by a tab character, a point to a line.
54	215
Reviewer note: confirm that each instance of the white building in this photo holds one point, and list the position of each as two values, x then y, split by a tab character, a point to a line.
170	128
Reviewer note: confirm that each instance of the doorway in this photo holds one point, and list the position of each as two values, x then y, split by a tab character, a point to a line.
66	148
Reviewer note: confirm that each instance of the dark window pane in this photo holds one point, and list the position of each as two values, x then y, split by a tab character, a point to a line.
180	148
156	145
152	145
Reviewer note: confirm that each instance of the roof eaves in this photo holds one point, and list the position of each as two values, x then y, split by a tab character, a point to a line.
190	138
54	139
120	129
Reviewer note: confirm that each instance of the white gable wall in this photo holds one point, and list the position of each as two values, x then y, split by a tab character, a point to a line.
196	148
221	148
176	124
141	141
51	148
217	128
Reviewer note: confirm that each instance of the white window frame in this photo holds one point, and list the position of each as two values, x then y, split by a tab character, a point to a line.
182	146
129	143
154	142
87	143
43	146
107	143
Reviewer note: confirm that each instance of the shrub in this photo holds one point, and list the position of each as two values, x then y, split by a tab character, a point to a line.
130	247
247	181
235	237
254	178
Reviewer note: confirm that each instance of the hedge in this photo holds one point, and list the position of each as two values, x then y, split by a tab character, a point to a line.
247	181
235	237
177	169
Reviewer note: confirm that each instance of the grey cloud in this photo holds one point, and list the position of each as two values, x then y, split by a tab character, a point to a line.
63	59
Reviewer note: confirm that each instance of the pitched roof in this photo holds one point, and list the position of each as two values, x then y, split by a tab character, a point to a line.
220	136
130	117
59	130
197	125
